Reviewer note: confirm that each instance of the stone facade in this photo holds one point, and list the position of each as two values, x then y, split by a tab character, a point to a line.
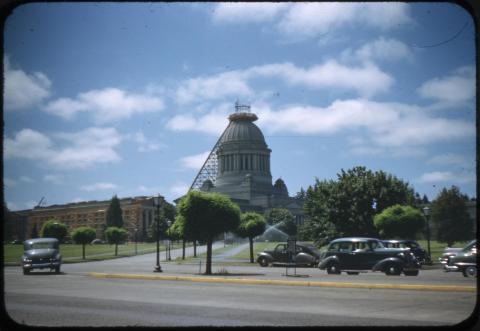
243	171
138	213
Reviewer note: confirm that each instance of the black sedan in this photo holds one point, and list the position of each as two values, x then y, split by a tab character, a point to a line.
420	254
305	255
41	253
464	261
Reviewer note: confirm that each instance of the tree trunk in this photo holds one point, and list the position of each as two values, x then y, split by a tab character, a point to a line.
250	239
116	249
83	251
208	270
183	249
194	248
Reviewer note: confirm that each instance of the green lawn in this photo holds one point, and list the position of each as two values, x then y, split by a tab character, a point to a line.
436	248
73	253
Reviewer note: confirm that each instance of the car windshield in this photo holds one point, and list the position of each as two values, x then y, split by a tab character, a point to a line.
312	248
374	244
470	245
41	245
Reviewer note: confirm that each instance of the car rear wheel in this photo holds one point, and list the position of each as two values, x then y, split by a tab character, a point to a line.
411	273
392	270
263	262
470	271
333	268
57	270
26	271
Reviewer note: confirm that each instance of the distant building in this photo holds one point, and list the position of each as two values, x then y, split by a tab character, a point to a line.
239	167
138	213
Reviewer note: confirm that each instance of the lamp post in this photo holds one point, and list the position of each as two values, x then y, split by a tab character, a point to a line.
136	241
426	212
156	202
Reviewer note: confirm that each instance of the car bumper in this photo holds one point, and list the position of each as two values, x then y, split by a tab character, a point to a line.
50	265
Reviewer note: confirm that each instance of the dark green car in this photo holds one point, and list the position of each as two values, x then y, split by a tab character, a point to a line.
41	253
355	255
464	261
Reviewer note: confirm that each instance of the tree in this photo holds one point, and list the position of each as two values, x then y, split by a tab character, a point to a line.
402	222
346	206
206	215
83	235
251	225
281	224
449	212
114	213
115	235
54	229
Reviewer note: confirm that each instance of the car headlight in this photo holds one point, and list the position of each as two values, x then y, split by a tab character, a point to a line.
26	259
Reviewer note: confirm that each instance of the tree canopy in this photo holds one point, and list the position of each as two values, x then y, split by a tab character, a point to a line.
54	229
251	225
115	235
206	215
399	222
346	206
83	235
449	213
114	215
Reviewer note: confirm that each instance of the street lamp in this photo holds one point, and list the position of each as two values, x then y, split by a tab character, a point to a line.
426	212
156	202
136	240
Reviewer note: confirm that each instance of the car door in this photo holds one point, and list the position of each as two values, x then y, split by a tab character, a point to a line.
280	253
346	256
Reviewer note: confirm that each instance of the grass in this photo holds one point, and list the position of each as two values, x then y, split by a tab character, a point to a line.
73	252
436	248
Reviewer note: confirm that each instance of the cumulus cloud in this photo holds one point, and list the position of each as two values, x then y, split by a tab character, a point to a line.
145	145
457	87
212	122
446	176
179	189
194	161
307	20
98	187
448	159
366	79
24	90
106	105
383	49
82	149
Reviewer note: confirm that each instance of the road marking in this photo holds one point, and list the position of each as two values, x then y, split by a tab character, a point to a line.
443	288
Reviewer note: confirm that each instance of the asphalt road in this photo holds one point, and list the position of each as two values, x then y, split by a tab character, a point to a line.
74	298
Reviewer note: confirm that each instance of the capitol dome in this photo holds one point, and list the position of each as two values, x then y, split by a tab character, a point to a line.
241	129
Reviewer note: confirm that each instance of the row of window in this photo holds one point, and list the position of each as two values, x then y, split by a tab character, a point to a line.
235	162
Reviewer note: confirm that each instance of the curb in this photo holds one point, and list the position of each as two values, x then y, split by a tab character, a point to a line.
442	288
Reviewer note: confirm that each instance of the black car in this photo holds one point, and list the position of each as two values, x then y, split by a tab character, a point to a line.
354	255
464	261
305	255
41	253
420	254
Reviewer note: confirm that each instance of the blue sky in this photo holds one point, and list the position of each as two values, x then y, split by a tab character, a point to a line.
128	99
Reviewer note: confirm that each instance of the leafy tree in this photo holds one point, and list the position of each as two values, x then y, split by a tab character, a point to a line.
346	206
115	235
251	225
167	212
206	215
83	235
449	212
114	213
282	220
54	229
398	221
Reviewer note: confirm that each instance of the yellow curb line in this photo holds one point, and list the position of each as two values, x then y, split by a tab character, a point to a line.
445	288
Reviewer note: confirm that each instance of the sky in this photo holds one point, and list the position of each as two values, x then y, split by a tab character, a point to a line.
130	98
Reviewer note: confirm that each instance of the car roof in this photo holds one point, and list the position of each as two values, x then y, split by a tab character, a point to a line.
41	240
353	239
398	240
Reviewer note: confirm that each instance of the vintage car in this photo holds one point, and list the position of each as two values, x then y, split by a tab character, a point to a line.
464	261
41	253
421	255
305	255
447	252
354	255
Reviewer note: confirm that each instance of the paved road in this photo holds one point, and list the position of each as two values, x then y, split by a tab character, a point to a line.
76	299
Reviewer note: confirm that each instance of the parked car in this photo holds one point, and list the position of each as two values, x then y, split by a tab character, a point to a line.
447	252
41	253
305	255
464	261
355	255
16	242
421	255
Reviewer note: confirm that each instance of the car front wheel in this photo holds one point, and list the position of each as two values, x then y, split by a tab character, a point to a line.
26	271
392	270
263	262
470	271
333	268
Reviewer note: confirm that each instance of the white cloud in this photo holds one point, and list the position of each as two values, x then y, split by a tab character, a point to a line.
99	187
384	49
12	206
106	105
458	87
194	161
448	159
26	179
247	12
213	122
55	179
145	145
23	90
366	79
446	176
8	182
84	149
179	189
